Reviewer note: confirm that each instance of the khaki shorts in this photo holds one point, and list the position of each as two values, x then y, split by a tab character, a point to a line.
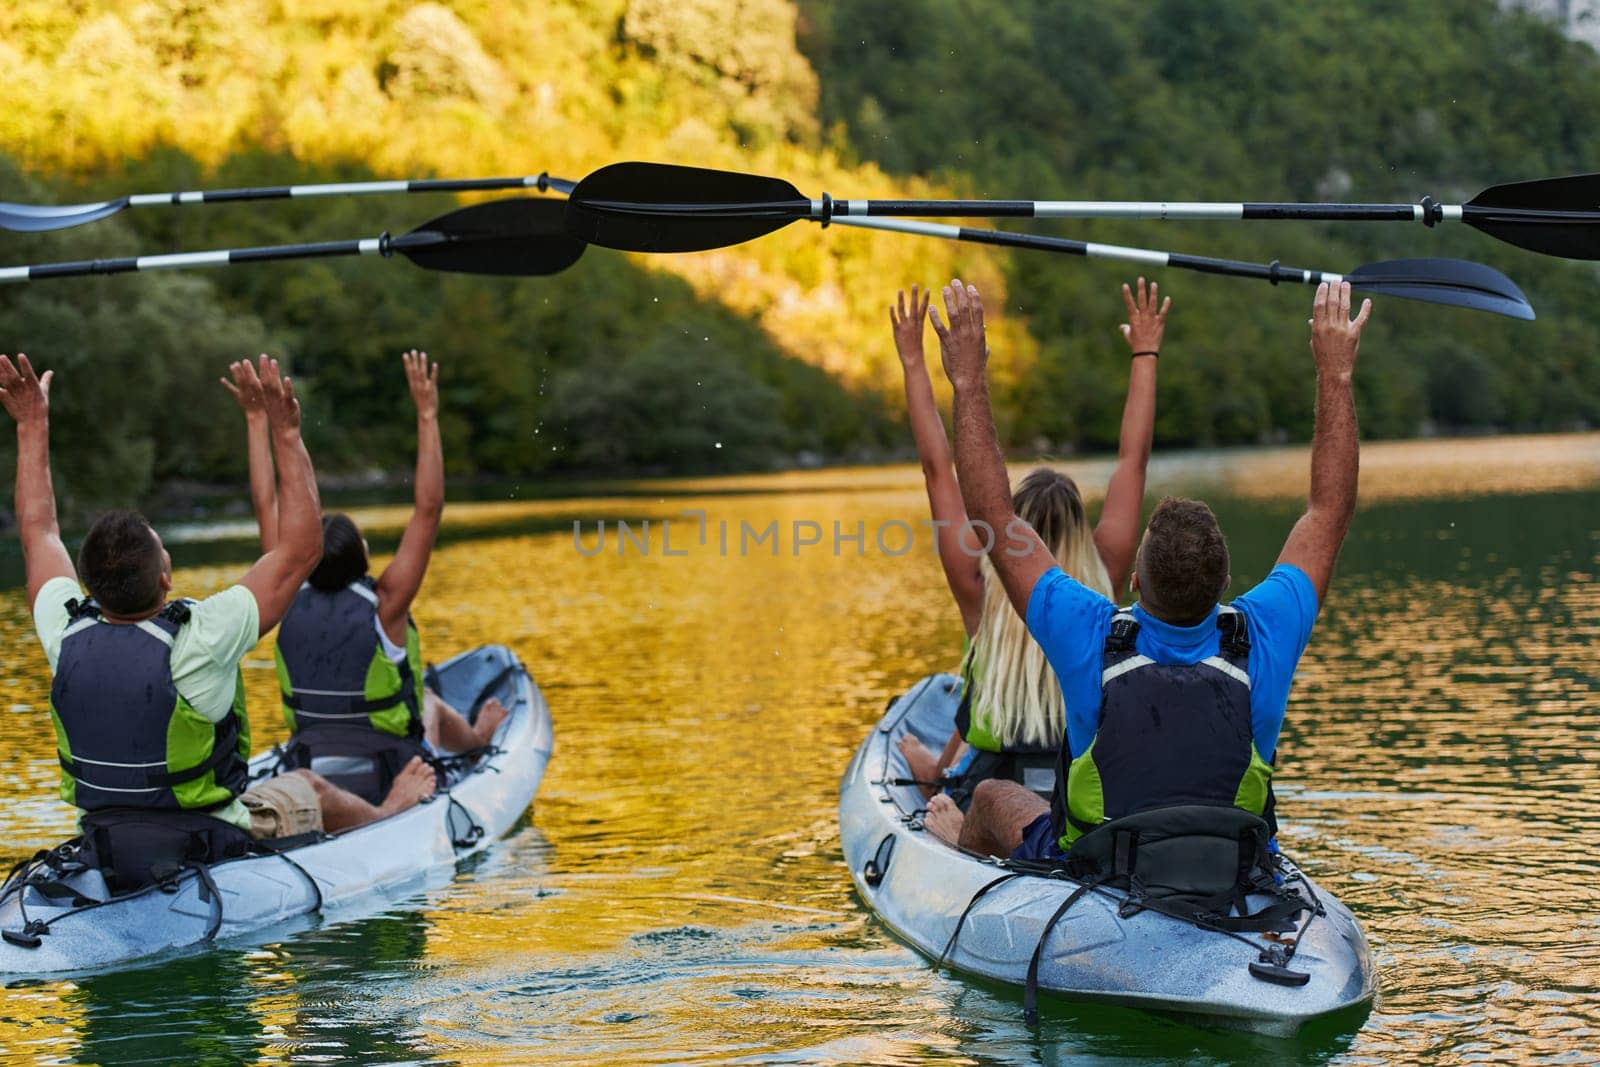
282	806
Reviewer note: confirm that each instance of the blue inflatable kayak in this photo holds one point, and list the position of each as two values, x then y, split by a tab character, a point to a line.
920	887
64	920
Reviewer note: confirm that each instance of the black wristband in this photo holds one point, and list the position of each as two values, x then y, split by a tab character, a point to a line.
1147	352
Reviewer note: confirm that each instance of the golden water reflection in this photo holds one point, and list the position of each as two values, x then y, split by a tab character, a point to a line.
679	895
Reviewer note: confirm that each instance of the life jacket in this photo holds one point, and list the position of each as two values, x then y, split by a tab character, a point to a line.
125	736
1170	735
1031	766
332	668
355	714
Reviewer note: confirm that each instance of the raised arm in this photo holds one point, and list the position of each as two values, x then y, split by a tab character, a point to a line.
279	572
401	579
1019	557
246	389
26	397
1117	534
961	569
1313	544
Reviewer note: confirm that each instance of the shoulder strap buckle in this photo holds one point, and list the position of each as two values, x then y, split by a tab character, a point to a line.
1124	629
1234	629
82	608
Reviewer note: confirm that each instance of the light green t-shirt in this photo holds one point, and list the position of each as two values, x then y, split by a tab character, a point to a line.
221	631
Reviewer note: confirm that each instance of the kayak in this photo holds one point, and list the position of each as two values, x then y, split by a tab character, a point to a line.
919	887
71	923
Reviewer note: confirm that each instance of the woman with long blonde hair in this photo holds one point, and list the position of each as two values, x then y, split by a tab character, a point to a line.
1012	715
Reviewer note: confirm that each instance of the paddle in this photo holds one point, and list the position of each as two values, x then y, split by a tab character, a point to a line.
37	218
1457	282
659	207
520	236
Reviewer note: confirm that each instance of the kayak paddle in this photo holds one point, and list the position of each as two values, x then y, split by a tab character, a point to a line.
519	236
660	207
1457	282
37	218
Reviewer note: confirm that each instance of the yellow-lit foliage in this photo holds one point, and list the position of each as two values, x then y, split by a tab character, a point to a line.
478	87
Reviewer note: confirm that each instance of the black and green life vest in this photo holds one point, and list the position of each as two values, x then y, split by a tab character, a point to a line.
125	735
1170	734
332	668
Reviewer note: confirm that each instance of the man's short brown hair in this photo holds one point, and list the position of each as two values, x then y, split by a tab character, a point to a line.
121	563
1183	562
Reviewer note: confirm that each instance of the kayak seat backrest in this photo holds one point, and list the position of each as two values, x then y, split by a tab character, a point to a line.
1034	771
137	847
1191	850
354	758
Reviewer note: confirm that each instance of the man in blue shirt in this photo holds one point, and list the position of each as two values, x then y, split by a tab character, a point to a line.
1180	700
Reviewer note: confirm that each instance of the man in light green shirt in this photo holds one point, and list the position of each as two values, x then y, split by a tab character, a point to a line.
147	699
206	651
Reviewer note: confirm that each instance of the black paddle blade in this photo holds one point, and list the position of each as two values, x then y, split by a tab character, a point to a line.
1458	282
38	218
1555	216
519	236
660	207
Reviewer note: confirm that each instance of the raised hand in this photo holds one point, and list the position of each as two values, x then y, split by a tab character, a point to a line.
963	344
24	394
1145	326
1335	337
246	388
277	391
908	323
423	378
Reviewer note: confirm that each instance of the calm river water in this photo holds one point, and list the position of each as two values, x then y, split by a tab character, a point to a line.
677	893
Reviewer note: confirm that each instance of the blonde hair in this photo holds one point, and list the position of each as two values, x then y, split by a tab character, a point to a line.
1016	693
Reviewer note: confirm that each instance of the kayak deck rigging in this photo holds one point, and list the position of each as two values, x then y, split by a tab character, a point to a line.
1043	926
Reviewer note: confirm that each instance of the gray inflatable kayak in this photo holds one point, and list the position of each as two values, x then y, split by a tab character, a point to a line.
919	887
46	930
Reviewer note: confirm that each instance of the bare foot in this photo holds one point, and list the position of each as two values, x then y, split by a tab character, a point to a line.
943	820
414	784
490	716
923	762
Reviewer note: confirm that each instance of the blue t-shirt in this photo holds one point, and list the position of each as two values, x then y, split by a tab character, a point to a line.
1071	623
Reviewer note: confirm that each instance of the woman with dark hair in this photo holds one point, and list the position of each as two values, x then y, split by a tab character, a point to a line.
349	656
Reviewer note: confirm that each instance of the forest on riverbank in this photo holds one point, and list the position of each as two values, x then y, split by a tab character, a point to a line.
775	352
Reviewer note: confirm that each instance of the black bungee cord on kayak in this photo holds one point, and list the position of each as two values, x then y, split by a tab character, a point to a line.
962	920
60	862
63	860
474	830
1030	988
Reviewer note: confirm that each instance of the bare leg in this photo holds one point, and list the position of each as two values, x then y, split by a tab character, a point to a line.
343	810
924	765
1000	811
944	820
447	730
952	751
